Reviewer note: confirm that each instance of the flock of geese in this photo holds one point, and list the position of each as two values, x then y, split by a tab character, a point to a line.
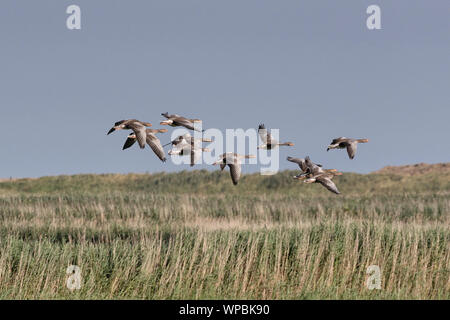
188	145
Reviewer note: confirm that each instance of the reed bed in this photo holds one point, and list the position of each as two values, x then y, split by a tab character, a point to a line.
271	244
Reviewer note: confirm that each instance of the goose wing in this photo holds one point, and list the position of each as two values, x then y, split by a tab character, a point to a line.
156	146
327	183
196	155
266	137
301	163
140	131
235	172
351	149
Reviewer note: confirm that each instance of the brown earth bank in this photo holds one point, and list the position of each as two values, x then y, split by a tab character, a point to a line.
415	169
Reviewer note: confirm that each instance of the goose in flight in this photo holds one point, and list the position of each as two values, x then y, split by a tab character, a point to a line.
324	179
151	140
175	120
350	144
268	141
137	126
232	160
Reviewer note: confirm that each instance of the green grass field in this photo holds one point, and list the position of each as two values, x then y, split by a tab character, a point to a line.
193	235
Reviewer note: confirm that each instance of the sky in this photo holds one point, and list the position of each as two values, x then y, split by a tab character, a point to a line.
311	69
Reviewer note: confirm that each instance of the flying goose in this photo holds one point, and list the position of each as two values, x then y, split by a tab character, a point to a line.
137	126
175	120
350	144
233	160
268	140
151	140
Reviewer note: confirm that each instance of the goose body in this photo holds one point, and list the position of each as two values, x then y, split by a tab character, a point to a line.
137	126
346	143
268	141
175	120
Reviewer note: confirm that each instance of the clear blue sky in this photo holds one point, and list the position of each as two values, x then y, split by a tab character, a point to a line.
310	68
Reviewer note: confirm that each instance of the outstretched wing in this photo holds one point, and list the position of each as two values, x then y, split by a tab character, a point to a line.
235	172
141	134
301	163
156	146
193	156
265	136
351	149
327	183
196	154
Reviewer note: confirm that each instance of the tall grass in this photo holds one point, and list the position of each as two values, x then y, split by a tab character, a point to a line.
159	240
